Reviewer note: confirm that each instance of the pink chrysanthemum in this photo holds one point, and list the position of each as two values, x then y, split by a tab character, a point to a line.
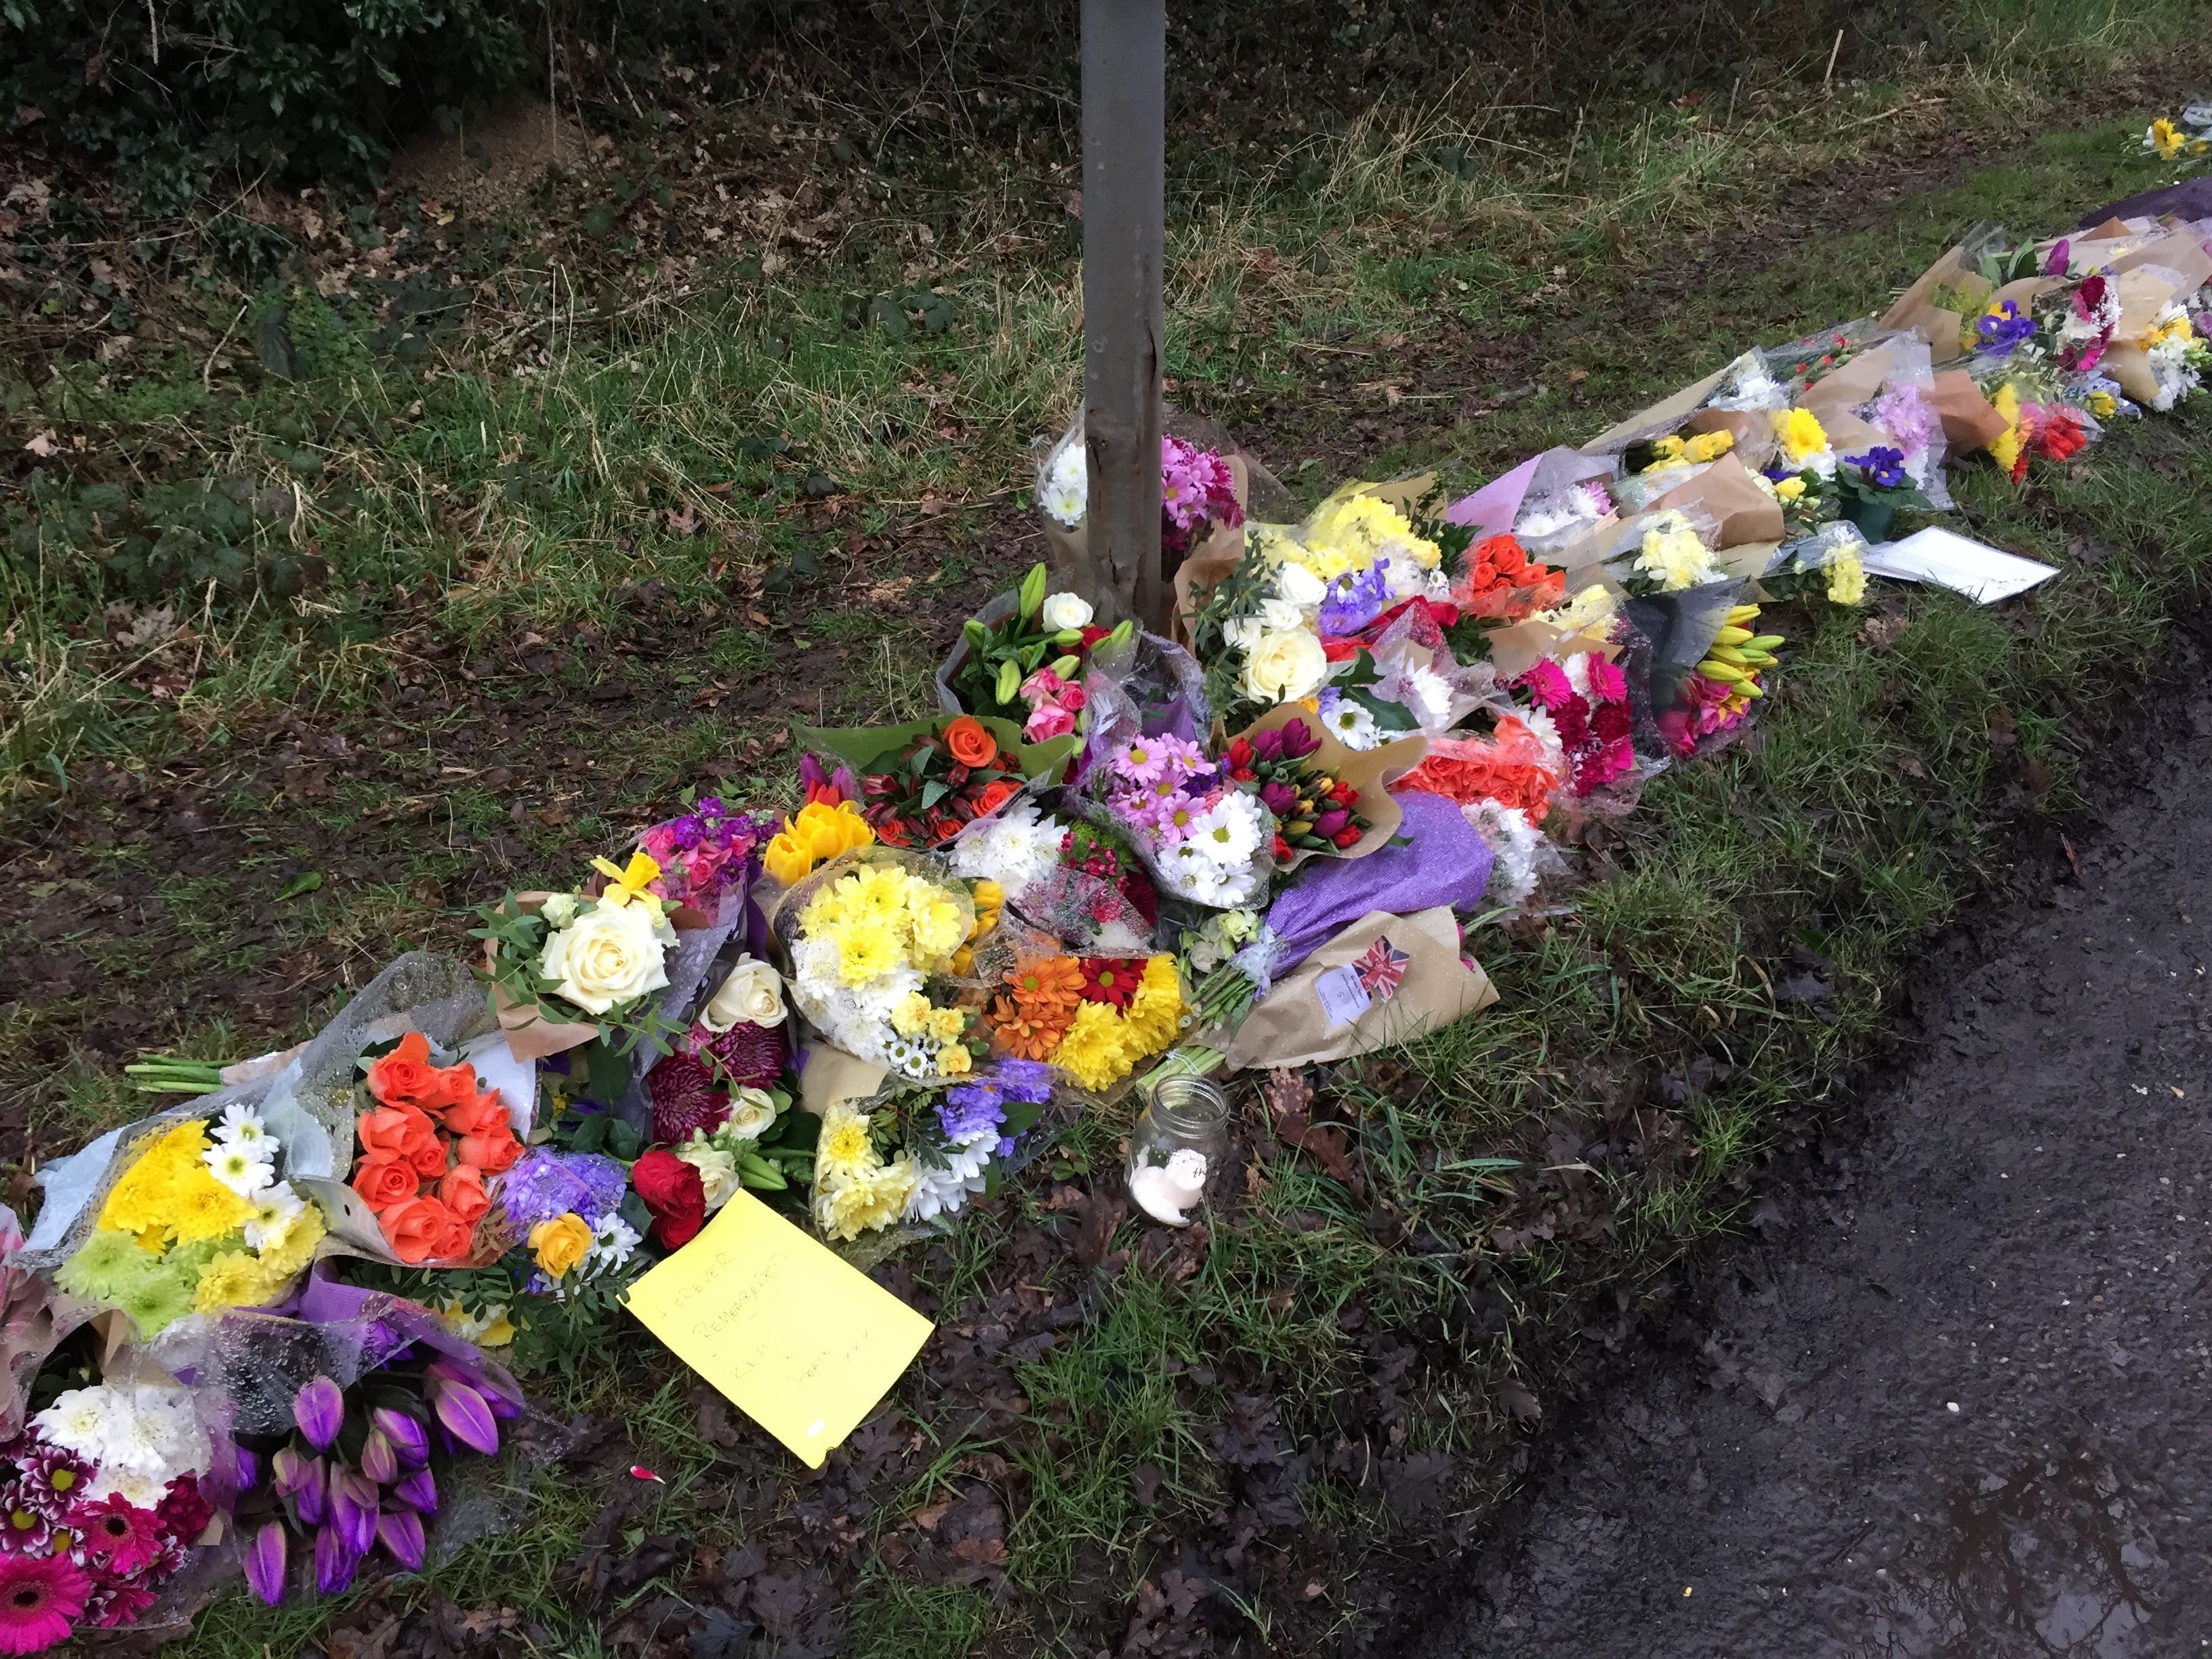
117	1531
50	1480
113	1604
41	1596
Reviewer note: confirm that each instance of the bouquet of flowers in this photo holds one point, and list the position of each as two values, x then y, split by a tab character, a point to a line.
1314	811
357	1469
197	1222
1581	706
102	1500
704	853
939	783
431	1144
1076	881
1501	582
1022	660
1093	1017
1670	555
1208	840
1717	695
915	1154
1198	493
583	960
1515	767
871	939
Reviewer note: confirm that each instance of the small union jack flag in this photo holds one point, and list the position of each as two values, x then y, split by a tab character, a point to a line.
1382	970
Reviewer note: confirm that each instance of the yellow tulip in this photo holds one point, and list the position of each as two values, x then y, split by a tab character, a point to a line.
788	858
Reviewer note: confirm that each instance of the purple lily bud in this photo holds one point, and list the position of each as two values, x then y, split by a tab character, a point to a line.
265	1559
419	1491
462	1412
310	1499
318	1408
1329	823
353	1510
247	1467
379	1461
335	1564
410	1439
400	1532
1298	739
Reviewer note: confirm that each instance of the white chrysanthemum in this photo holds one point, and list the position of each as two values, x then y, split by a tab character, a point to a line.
1068	485
1016	849
1547	732
241	1126
78	1421
245	1169
275	1211
1513	843
1428	696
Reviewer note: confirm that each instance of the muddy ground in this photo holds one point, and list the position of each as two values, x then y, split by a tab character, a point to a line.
1950	1398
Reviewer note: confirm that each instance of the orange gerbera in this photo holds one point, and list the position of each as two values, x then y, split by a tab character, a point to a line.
1026	1034
1046	985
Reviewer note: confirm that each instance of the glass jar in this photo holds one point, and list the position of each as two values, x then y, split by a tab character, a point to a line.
1180	1141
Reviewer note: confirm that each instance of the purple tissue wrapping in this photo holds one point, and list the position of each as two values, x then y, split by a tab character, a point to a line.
1447	863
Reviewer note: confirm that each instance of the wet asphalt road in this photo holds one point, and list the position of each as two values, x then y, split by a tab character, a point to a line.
1956	1399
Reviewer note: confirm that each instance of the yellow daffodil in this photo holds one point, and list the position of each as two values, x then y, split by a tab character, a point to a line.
624	884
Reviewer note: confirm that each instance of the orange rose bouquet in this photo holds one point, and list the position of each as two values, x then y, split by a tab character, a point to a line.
433	1144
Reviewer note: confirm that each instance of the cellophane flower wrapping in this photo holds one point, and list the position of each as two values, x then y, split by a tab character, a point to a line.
865	936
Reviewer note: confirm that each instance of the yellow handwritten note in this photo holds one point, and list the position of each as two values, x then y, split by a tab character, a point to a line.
802	1342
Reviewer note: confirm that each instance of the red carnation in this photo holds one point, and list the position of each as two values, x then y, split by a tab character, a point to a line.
671	1190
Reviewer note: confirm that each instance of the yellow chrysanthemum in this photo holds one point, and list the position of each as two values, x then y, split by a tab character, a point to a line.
865	950
295	1248
911	1016
954	1060
1096	1052
2004	448
845	1209
236	1279
844	1146
946	1024
141	1202
1800	434
1846	579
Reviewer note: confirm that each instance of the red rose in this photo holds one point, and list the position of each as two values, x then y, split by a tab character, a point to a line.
671	1190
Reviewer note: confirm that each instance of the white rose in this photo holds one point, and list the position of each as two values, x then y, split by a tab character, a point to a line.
1065	611
1280	616
610	954
1298	585
718	1172
559	910
751	995
1284	666
751	1112
1240	633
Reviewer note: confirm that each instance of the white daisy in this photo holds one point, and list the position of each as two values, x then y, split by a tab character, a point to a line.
241	1126
275	1210
245	1169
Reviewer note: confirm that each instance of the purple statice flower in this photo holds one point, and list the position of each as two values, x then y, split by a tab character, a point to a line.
1884	467
971	1111
1354	601
545	1183
2002	329
1028	1081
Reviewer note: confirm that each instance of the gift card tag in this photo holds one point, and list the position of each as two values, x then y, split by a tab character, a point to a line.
1343	998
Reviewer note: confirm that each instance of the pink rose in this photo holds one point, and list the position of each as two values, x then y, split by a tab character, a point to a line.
1048	722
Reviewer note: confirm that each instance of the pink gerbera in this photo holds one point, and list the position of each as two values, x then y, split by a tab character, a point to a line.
119	1533
40	1597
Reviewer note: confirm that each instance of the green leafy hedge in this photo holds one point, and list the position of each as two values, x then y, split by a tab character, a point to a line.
177	90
